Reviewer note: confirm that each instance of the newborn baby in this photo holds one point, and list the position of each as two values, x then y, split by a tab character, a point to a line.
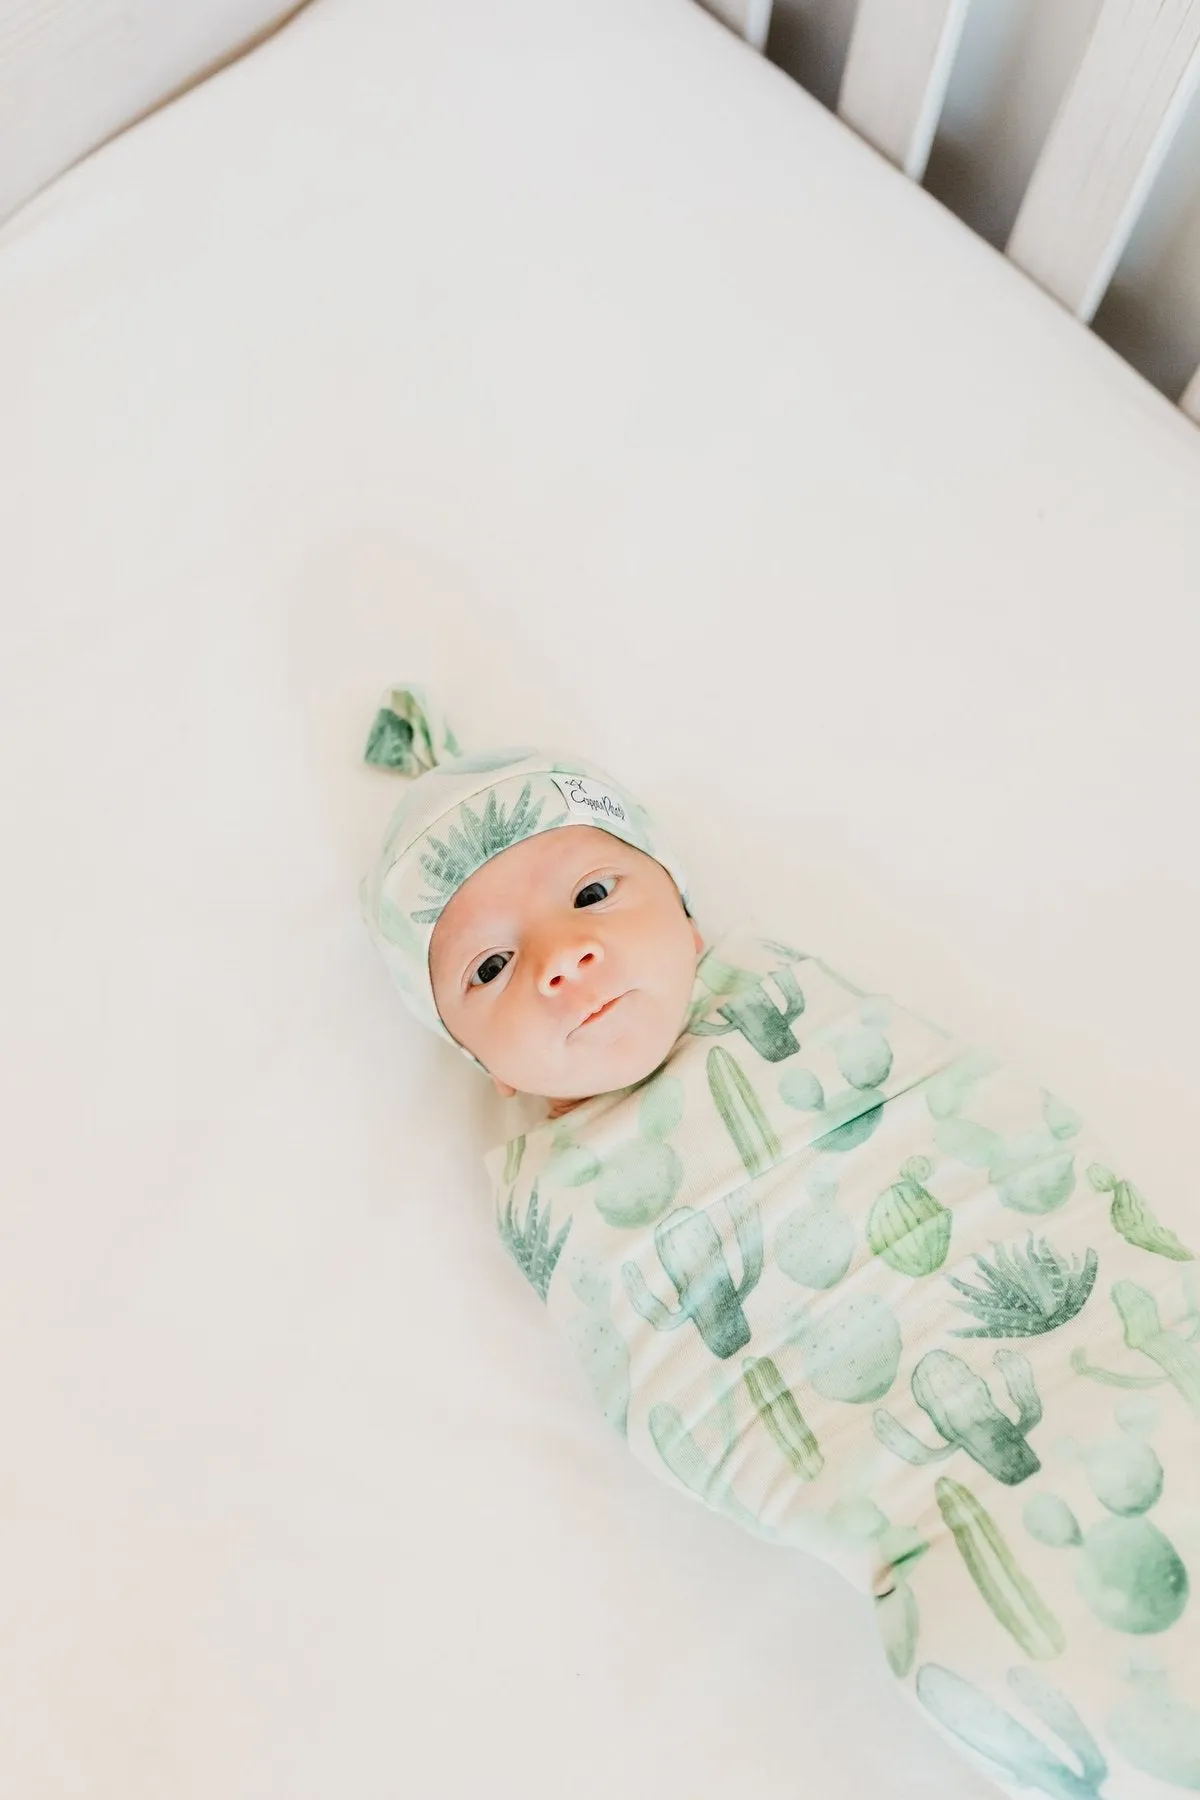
842	1278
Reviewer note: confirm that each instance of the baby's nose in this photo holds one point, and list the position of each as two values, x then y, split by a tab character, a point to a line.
564	963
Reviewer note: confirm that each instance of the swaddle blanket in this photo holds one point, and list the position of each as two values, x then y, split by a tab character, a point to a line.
867	1292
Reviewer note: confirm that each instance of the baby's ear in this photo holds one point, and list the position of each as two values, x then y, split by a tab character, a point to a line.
503	1088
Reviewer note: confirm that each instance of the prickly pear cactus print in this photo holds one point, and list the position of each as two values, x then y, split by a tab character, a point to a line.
1157	1730
1128	1572
637	1181
851	1349
815	1244
864	1290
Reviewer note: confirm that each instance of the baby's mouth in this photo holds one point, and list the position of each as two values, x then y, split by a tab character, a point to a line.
601	1012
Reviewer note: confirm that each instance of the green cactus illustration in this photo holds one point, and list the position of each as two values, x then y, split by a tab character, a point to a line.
906	1226
714	977
599	1346
1126	1570
1132	1217
1026	1290
968	1713
801	1089
689	1249
1173	1351
853	1117
1040	1186
851	1349
960	1405
570	1164
865	1058
855	1520
1008	1591
815	1244
752	1011
1156	1731
898	1616
776	1406
636	1182
947	1092
898	1621
976	1145
689	1465
528	1242
784	952
1031	1172
741	1110
471	841
1062	1121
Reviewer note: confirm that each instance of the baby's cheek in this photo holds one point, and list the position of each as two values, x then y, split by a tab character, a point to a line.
513	1027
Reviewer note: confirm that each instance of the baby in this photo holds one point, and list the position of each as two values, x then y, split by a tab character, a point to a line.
844	1279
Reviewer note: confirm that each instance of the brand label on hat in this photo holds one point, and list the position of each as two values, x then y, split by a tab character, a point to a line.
588	800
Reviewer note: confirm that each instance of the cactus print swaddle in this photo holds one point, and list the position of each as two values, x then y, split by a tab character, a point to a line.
869	1293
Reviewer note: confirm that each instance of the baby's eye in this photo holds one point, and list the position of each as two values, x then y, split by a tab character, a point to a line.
595	891
489	968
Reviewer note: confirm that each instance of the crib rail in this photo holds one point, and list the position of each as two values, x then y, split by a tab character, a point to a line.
1107	144
751	19
897	69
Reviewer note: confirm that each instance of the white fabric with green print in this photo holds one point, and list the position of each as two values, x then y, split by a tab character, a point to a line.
867	1292
461	810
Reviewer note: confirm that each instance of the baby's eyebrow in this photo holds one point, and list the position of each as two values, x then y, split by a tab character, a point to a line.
468	949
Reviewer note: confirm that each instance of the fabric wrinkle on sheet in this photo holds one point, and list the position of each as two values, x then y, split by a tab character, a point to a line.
868	1292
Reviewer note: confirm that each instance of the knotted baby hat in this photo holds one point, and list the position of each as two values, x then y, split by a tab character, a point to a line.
460	811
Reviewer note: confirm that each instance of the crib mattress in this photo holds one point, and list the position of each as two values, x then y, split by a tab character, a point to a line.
571	360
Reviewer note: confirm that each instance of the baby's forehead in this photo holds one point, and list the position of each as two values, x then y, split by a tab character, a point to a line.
565	845
501	883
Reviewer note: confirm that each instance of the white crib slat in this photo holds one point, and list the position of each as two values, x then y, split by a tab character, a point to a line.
897	68
1105	147
1191	398
751	19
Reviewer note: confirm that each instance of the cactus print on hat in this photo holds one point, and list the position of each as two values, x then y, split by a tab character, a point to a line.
867	1292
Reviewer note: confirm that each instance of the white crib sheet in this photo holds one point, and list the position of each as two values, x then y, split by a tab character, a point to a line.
569	358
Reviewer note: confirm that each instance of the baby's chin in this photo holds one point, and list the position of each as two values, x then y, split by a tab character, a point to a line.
604	1068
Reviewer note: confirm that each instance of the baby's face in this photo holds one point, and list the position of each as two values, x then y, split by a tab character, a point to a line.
543	936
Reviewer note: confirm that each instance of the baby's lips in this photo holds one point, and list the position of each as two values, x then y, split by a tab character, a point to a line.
595	1013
